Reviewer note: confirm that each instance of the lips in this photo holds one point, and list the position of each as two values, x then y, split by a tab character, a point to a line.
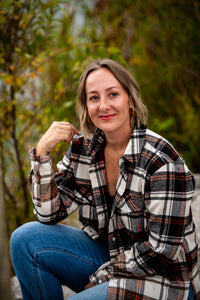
107	117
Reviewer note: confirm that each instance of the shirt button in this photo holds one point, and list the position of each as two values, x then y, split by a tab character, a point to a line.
113	239
100	281
90	198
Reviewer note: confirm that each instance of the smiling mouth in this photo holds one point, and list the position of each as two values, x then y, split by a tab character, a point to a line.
107	117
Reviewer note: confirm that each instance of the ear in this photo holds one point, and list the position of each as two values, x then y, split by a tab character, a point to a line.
131	105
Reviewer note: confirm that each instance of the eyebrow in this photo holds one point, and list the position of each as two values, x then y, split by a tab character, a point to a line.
110	88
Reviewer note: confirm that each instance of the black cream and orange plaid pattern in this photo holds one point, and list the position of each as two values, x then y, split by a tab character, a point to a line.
150	232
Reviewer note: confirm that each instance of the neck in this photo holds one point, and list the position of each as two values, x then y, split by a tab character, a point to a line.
116	141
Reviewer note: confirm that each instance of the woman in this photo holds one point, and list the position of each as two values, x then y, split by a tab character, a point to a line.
133	192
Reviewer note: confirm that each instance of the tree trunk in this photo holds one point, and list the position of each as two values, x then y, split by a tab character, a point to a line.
23	180
4	262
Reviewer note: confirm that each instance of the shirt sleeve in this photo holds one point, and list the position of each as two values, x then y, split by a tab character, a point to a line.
52	193
168	219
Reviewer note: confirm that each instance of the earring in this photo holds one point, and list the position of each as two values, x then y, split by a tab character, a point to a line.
89	120
131	111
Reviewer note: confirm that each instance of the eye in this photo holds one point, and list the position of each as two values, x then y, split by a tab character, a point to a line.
93	98
113	95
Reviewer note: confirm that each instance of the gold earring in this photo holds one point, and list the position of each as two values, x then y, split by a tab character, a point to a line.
89	120
131	111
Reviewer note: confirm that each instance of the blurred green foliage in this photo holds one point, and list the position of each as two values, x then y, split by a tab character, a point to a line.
45	46
160	42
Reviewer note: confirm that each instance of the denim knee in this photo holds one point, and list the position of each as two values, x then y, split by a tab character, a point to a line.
20	239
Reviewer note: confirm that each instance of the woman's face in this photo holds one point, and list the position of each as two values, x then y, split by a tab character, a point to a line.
107	102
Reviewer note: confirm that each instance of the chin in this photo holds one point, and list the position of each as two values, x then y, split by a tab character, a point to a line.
107	129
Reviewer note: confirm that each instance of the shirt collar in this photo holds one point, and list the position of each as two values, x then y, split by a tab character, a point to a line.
133	149
135	145
96	142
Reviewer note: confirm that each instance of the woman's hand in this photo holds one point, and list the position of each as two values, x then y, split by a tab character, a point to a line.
89	285
59	131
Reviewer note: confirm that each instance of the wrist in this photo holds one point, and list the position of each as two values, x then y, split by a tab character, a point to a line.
40	151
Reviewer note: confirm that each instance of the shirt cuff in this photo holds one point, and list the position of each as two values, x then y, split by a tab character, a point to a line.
101	275
39	158
41	165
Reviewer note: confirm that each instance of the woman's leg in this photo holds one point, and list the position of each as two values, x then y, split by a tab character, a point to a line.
44	256
191	293
98	292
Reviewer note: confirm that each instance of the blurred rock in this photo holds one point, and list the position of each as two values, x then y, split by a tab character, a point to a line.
196	210
17	295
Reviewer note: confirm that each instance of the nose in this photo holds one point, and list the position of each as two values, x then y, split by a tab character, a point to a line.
104	104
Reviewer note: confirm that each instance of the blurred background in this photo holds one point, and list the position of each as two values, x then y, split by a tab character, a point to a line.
45	46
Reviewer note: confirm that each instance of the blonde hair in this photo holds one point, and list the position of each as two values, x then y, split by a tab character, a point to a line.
125	79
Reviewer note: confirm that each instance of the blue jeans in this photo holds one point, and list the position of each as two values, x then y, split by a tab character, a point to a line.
191	293
46	256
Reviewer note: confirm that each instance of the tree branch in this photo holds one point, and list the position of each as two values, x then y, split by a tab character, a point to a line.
18	156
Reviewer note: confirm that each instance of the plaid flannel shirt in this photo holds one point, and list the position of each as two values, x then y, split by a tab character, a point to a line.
151	235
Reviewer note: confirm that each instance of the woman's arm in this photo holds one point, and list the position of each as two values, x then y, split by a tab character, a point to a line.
58	132
50	204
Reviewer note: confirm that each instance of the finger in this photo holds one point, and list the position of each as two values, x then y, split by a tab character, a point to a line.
64	124
69	125
75	130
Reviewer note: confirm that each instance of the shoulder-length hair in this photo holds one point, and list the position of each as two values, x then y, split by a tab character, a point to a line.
126	80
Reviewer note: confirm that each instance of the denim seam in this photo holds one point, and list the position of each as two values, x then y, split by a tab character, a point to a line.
63	251
37	279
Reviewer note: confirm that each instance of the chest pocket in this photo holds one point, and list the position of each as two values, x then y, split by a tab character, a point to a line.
87	209
130	213
83	192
